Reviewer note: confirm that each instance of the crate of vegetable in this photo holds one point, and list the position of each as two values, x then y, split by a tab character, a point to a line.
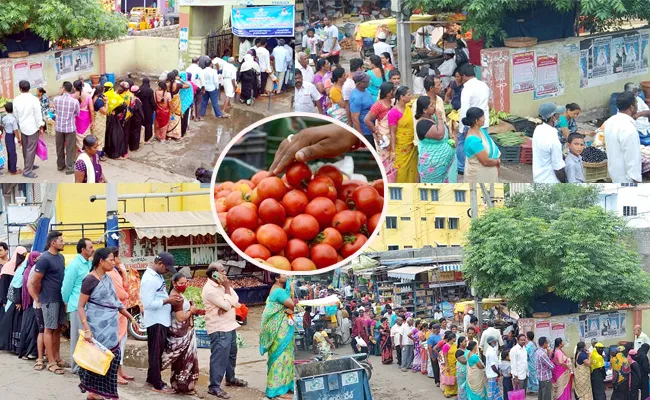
202	339
526	155
251	291
594	162
509	144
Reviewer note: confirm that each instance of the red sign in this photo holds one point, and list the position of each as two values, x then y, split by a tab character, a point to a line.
6	79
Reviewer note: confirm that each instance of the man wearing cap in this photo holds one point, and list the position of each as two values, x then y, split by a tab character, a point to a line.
382	47
548	163
229	80
492	369
491	331
622	142
307	96
66	110
360	103
157	315
467	319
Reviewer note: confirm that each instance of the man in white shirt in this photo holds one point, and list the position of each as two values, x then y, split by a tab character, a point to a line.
27	110
548	163
447	68
642	110
356	65
382	47
395	332
290	66
244	46
519	363
437	313
229	80
640	338
86	86
475	94
331	47
492	369
407	344
348	291
622	142
211	82
467	320
195	74
491	331
307	96
304	67
264	60
280	55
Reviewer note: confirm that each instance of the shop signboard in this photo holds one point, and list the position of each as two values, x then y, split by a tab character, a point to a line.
267	21
139	263
446	276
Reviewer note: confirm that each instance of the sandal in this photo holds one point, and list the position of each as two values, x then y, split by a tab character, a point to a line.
128	377
220	393
165	389
62	363
237	382
39	365
55	369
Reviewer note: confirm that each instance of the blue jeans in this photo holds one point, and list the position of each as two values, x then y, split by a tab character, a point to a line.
460	150
212	96
223	358
12	157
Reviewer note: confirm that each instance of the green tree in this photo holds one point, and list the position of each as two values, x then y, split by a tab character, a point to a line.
63	21
547	201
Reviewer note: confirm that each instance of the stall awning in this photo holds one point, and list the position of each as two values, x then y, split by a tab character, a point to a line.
166	224
325	301
450	267
409	273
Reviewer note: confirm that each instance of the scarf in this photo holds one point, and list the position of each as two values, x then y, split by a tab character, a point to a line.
31	261
597	361
10	267
114	100
90	168
249	63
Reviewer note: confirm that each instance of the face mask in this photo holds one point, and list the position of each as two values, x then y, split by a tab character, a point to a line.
181	288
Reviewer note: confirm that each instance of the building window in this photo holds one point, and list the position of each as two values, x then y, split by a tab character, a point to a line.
440	223
395	193
391	222
423	219
442	245
434	194
455	245
453	223
408	247
424	195
393	247
460	196
629	211
629	184
405	218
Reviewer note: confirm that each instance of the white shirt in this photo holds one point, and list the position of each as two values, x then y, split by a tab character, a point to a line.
519	362
447	69
437	315
406	329
383	47
280	55
466	321
196	73
642	123
490	332
640	340
475	94
210	79
348	87
289	53
27	110
307	73
348	291
332	33
306	96
421	36
623	149
310	43
87	89
547	154
361	342
395	331
243	49
264	58
490	360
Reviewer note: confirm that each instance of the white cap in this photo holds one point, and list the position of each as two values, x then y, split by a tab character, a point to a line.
470	312
381	35
361	309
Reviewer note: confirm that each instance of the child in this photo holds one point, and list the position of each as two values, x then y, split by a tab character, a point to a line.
504	369
573	161
10	127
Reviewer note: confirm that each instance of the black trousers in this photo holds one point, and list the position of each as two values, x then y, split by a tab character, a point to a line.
185	121
156	341
398	349
264	78
436	369
333	60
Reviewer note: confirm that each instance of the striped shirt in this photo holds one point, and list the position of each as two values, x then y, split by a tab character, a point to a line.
544	365
67	108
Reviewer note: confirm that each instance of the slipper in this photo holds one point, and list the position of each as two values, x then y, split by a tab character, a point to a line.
237	382
165	389
39	365
63	364
128	377
220	393
55	369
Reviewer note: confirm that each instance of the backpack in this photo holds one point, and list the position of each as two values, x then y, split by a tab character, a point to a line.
461	56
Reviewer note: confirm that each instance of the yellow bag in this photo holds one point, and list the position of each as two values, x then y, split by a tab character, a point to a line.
92	357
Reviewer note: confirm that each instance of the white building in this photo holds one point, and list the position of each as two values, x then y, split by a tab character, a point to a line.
630	201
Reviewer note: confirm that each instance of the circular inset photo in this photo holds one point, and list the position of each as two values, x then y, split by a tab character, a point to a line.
298	193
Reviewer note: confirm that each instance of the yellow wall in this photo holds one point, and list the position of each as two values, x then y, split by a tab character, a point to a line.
155	55
417	233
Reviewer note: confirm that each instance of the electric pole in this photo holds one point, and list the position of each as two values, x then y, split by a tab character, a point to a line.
112	236
473	201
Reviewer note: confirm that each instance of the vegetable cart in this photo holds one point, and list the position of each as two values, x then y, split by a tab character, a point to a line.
343	378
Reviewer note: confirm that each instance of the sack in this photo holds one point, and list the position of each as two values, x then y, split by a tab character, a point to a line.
41	149
448	380
519	394
92	357
461	57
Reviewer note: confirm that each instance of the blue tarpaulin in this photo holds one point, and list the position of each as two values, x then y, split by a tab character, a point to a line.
41	234
540	21
24	41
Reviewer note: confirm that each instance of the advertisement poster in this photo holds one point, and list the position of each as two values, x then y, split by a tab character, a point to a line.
6	81
36	77
184	37
543	328
602	326
526	325
523	72
602	56
618	56
631	60
548	76
72	63
21	71
644	51
584	68
558	330
270	21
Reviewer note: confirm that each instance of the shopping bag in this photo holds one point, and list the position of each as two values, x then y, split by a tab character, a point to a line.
448	380
92	357
41	149
519	394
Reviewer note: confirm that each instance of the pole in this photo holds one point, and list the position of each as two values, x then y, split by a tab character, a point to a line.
473	200
404	51
112	237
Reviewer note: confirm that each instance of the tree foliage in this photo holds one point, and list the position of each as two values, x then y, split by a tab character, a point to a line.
485	16
579	253
62	21
547	201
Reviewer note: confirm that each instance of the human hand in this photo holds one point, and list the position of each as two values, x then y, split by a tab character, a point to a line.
19	307
175	300
88	335
194	310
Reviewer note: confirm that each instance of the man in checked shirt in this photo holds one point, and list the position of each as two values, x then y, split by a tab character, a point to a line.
66	110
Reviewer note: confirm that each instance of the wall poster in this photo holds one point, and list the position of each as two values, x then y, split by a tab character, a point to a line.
609	325
547	83
72	63
523	72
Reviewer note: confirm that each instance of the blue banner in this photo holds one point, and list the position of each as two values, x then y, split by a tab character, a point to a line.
269	21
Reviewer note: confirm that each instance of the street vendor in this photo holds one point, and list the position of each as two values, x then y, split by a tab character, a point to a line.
381	46
323	345
447	68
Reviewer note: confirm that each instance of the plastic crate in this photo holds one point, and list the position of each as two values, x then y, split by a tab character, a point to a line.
202	339
233	169
596	172
343	378
510	154
252	150
526	154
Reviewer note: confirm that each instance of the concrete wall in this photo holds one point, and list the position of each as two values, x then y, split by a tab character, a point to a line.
165	31
155	54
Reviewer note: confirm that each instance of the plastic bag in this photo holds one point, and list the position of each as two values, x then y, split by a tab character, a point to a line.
519	394
92	357
41	149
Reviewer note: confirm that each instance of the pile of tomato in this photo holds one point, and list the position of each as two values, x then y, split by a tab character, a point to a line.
303	221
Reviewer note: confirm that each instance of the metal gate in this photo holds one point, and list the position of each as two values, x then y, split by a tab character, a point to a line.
218	42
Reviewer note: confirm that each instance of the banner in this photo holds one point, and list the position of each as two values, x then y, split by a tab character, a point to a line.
21	71
72	63
6	80
609	325
36	78
523	72
272	21
548	77
139	263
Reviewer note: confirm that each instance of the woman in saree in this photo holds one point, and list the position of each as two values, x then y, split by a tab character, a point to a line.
85	120
377	121
531	347
11	320
476	383
482	153
7	271
400	122
322	79
437	154
99	308
180	352
442	359
29	329
582	373
187	98
417	349
620	374
377	75
462	354
386	342
562	377
449	374
174	87
163	100
248	73
100	105
115	143
276	338
424	354
338	109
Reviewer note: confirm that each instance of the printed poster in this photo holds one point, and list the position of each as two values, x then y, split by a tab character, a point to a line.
618	55
36	77
602	57
21	71
542	328
268	21
184	37
609	325
526	325
631	60
548	76
74	62
584	68
6	80
558	330
644	51
523	72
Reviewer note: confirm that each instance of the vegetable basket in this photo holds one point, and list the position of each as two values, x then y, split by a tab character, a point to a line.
595	172
519	42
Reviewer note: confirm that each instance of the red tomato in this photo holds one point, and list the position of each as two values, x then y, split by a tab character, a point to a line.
296	248
220	207
330	236
223	220
379	186
227	185
346	222
257	178
362	217
272	237
352	244
331	172
271	188
323	255
341	205
258	251
223	193
298	174
243	238
321	187
279	262
241	217
250	205
323	209
303	264
272	212
373	223
234	199
295	202
304	227
347	188
286	226
253	197
240	182
366	199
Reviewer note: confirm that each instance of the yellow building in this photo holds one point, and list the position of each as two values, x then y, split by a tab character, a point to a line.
427	214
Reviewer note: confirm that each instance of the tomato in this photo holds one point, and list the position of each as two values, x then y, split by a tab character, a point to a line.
287	225
362	217
330	236
331	172
223	193
223	220
323	255
258	251
347	188
295	202
379	186
321	187
250	205
271	188
323	209
272	237
243	186
243	238
341	205
220	207
373	223
241	217
279	262
296	248
272	212
366	199
346	222
298	174
227	185
257	178
304	227
352	244
253	197
235	198
303	264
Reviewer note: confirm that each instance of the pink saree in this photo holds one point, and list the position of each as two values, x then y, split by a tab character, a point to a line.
562	377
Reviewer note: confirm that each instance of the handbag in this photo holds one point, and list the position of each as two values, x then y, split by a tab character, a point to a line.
448	380
93	357
41	149
518	394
